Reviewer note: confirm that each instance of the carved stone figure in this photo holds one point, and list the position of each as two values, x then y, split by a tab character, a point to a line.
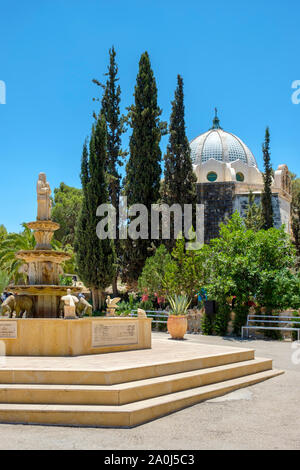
70	302
83	307
141	313
20	304
43	198
112	306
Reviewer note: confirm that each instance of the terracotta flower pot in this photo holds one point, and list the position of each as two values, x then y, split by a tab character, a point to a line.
177	326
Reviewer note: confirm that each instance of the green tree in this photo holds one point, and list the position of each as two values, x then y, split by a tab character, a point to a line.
4	280
266	197
67	205
295	213
3	232
179	184
142	181
115	128
95	257
248	264
184	275
9	247
253	218
151	281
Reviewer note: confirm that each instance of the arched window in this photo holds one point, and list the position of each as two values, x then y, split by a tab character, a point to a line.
212	176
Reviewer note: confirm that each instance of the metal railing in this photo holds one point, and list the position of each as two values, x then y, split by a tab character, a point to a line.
153	314
279	320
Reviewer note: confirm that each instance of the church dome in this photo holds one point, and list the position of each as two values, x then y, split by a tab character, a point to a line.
221	146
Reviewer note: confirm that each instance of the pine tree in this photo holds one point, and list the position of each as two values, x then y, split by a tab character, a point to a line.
253	218
95	257
179	178
143	170
266	197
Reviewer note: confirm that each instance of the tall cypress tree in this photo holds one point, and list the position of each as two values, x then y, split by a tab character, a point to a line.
95	257
266	197
143	170
115	128
179	178
81	228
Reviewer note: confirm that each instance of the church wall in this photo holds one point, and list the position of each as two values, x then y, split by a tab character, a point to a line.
217	199
281	208
221	201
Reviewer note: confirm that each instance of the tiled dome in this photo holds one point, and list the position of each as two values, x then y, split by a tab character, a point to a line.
220	145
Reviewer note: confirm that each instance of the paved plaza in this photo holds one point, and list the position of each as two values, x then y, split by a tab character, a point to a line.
263	416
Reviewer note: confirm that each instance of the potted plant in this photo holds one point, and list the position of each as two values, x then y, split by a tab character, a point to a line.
177	321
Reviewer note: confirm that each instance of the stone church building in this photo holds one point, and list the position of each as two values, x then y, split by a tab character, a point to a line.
226	171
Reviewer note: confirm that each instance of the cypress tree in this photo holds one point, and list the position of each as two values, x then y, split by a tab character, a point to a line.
143	170
266	197
179	178
253	218
95	257
82	220
115	128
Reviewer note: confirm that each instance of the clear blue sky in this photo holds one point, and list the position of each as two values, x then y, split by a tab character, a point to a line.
239	56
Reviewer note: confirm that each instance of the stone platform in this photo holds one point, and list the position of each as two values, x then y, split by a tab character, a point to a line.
73	337
123	389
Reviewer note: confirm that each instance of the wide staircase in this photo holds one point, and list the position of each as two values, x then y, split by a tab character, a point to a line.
124	396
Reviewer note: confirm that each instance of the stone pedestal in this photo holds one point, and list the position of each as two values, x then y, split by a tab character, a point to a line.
80	336
70	311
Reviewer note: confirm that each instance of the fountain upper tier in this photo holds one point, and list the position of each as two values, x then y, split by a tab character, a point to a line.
43	233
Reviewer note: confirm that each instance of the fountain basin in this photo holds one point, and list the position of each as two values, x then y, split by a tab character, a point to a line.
61	337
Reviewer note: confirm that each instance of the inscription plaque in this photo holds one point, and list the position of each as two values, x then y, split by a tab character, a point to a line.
114	335
8	329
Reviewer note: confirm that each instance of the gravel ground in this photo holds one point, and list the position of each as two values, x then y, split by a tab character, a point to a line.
263	416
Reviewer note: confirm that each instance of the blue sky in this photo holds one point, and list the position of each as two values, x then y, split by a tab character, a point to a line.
239	56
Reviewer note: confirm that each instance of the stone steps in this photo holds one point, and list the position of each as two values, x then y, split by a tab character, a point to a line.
123	389
127	415
121	374
129	392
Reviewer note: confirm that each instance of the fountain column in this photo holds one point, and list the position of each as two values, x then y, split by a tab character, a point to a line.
44	263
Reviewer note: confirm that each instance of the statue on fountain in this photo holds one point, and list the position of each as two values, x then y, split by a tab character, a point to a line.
43	198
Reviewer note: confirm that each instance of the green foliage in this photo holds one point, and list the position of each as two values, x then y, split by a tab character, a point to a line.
4	280
67	205
241	311
95	257
295	213
222	319
184	273
3	233
115	128
152	277
179	178
206	325
65	280
248	265
254	218
146	305
142	181
266	197
179	304
9	246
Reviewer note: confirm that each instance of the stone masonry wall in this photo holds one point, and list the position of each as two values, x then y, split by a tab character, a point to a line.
218	204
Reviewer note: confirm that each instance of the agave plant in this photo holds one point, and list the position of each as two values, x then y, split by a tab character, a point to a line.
179	304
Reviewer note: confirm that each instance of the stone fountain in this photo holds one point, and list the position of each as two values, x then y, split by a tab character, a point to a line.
46	334
43	264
